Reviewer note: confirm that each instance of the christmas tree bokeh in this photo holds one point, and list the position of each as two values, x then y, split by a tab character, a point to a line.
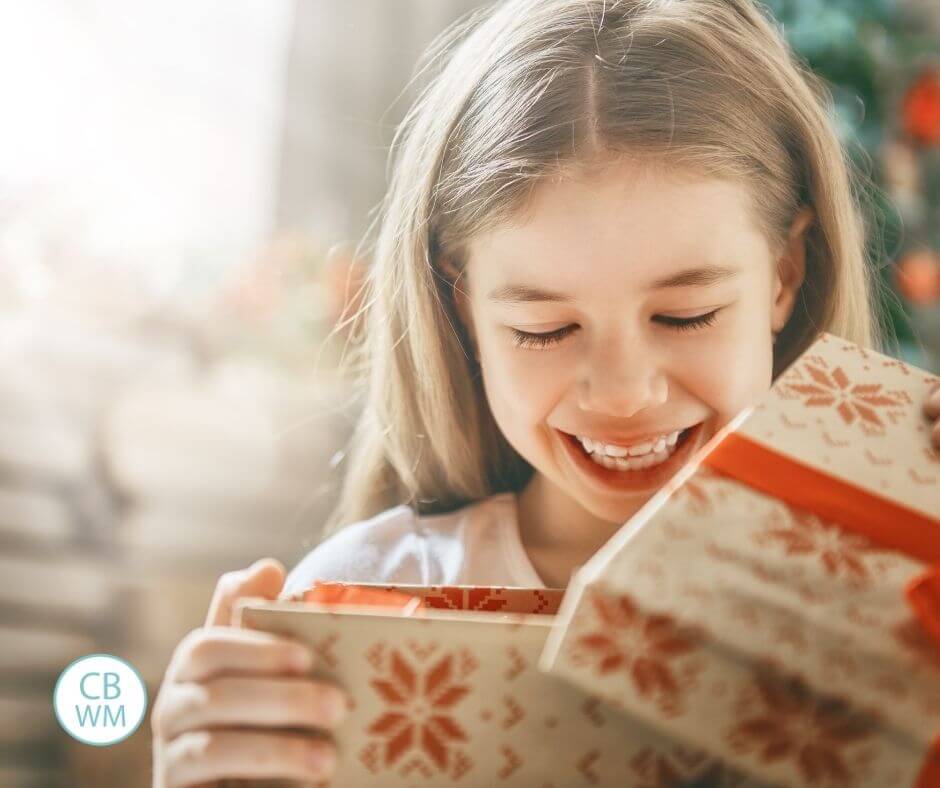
881	60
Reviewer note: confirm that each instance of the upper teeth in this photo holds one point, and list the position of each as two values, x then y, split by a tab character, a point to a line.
611	450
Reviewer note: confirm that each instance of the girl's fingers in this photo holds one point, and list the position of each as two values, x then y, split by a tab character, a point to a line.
932	405
264	578
206	755
211	651
234	700
932	410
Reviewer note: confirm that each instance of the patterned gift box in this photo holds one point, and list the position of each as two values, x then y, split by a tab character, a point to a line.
777	604
450	694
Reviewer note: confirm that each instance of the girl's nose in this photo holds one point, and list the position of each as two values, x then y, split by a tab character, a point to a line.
622	386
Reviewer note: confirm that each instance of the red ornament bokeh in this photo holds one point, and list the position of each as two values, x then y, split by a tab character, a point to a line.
920	108
917	276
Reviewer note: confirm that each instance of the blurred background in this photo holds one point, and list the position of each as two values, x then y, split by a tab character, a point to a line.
173	176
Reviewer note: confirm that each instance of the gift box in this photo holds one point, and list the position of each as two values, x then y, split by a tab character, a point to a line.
444	689
777	603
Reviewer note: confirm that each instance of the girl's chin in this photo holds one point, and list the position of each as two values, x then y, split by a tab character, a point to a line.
616	514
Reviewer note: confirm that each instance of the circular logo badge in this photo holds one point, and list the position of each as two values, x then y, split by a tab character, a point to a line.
100	699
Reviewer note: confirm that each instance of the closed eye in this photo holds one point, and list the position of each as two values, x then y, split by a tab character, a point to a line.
527	339
689	323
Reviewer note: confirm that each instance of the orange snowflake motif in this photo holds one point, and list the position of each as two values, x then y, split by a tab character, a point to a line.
485	599
695	496
790	722
853	403
421	715
655	769
701	491
641	646
456	598
841	552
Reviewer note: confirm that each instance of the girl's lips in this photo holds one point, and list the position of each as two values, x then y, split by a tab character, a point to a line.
644	479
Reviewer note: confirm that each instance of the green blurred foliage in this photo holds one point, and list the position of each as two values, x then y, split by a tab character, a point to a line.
869	51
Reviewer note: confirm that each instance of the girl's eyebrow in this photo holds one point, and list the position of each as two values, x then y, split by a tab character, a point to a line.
514	294
703	276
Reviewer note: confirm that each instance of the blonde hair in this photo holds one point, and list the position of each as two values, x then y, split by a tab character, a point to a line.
527	89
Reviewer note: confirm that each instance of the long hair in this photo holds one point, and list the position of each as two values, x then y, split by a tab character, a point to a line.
524	90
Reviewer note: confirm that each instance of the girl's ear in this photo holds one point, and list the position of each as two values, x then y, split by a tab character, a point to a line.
790	270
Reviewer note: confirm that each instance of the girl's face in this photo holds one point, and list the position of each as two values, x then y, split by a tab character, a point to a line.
625	307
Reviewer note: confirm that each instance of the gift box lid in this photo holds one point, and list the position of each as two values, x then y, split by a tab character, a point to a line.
838	450
842	433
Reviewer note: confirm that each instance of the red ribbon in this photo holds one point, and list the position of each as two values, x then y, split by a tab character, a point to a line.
884	522
929	776
923	595
860	511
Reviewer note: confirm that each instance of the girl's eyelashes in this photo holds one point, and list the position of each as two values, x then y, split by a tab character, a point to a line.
527	339
688	323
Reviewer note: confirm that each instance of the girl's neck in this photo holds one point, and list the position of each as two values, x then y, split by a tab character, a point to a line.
558	534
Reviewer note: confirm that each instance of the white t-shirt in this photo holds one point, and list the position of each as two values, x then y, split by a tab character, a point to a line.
476	545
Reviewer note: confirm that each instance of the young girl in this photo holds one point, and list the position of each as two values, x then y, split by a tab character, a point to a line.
610	226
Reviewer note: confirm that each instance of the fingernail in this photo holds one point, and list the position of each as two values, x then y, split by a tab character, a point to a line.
336	707
251	569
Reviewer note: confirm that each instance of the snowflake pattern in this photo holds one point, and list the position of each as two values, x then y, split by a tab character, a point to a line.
456	598
677	767
781	719
494	599
701	491
865	404
645	647
800	533
420	721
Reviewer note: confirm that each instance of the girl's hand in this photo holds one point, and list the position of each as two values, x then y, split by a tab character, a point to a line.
226	692
932	409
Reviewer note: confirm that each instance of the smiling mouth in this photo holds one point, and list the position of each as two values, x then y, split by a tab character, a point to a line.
634	472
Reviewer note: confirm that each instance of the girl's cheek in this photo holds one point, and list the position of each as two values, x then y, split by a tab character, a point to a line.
732	371
522	386
721	368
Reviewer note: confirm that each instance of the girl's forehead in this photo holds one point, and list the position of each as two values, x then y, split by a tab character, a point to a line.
622	221
633	194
